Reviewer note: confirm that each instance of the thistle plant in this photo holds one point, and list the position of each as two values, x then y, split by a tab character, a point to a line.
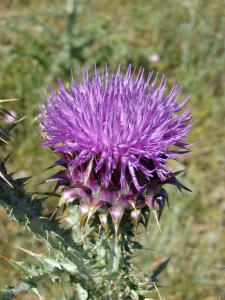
114	135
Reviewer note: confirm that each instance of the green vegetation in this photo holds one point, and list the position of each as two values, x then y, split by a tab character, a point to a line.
42	40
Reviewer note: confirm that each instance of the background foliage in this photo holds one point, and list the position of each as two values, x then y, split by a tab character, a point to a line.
41	40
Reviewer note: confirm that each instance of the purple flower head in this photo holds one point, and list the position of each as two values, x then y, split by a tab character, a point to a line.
115	133
126	123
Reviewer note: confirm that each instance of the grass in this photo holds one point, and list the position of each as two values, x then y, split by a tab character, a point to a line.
41	40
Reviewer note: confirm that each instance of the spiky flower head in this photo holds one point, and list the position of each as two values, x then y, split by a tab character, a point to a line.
115	134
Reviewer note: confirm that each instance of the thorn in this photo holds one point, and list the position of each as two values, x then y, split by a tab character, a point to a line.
6	180
160	298
20	120
4	141
8	100
53	214
157	220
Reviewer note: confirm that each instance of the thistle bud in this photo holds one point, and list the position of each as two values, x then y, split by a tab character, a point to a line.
124	201
68	196
135	215
84	211
116	214
150	202
90	208
103	219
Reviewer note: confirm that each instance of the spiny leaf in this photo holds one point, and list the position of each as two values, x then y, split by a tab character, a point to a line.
29	211
9	292
49	263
